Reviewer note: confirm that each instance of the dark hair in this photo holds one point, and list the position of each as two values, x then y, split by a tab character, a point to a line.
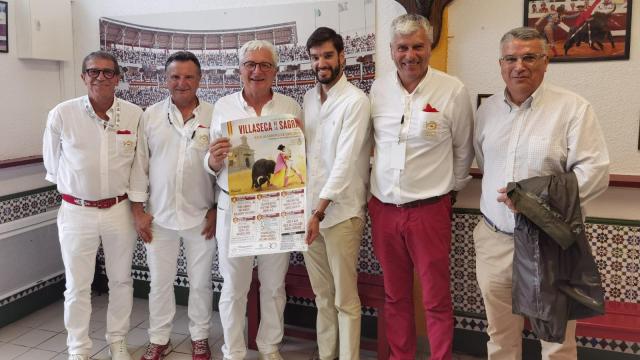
324	34
280	147
101	55
183	56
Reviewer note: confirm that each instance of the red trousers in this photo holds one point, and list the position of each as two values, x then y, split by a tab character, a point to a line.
417	238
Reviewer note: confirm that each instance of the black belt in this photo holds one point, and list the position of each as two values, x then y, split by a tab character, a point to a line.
223	190
493	226
416	203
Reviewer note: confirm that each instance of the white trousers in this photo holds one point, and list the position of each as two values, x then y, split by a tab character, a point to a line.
494	263
80	230
237	273
162	257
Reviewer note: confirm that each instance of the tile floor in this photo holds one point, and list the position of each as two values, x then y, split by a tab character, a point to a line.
41	336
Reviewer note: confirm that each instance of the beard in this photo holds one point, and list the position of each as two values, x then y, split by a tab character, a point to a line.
334	74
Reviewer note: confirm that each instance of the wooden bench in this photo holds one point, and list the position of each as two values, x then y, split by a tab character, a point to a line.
370	290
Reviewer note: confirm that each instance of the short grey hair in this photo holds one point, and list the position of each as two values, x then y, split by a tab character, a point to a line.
526	34
255	45
409	23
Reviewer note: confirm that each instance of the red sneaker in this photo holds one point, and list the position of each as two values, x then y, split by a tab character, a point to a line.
156	351
200	350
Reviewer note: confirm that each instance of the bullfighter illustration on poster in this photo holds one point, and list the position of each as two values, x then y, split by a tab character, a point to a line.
267	173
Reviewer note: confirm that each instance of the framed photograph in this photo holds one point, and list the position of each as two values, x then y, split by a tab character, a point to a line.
582	30
481	98
4	27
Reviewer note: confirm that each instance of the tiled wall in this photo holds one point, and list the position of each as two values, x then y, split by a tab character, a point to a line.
616	246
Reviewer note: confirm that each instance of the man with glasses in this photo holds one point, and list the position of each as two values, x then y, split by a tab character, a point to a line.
337	129
88	149
258	67
530	129
168	175
422	122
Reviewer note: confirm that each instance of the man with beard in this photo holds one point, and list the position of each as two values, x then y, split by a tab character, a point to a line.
89	144
258	67
337	131
168	175
423	123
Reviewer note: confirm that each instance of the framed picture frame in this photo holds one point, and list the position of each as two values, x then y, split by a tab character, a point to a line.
4	27
481	98
582	30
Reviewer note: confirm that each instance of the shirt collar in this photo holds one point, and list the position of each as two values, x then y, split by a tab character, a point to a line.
335	89
109	111
531	102
421	84
172	109
246	105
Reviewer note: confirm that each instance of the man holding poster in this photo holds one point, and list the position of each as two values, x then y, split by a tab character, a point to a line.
258	67
337	127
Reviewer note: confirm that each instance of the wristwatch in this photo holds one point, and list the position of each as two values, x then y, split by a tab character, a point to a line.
319	214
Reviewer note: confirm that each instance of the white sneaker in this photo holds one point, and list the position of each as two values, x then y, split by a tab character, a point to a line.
270	356
118	350
78	357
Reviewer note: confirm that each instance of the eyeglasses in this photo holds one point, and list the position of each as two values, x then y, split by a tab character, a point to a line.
94	73
264	66
528	59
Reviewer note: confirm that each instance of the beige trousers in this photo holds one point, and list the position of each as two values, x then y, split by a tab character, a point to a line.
332	266
494	260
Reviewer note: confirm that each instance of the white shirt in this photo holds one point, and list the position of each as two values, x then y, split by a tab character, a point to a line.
439	148
554	131
167	169
234	107
85	156
339	144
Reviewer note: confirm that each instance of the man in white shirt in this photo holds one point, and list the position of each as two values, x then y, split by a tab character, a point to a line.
337	131
530	129
423	123
258	67
168	175
88	148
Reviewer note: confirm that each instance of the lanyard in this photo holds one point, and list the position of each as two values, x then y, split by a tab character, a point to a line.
405	120
188	132
108	124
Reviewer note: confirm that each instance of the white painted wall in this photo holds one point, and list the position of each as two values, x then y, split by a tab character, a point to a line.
613	87
28	90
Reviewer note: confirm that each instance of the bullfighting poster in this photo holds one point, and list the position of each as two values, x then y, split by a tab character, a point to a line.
267	176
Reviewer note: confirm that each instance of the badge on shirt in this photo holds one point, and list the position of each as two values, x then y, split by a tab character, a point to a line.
398	152
201	137
126	142
430	129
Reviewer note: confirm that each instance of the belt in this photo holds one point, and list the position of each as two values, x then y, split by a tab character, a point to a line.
223	190
100	204
416	203
493	226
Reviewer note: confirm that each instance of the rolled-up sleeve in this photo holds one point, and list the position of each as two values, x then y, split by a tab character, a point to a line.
52	145
139	178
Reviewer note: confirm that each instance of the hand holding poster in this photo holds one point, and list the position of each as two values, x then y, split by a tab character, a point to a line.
267	172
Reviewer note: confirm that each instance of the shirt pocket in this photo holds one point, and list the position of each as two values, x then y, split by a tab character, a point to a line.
432	127
200	139
544	156
125	144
